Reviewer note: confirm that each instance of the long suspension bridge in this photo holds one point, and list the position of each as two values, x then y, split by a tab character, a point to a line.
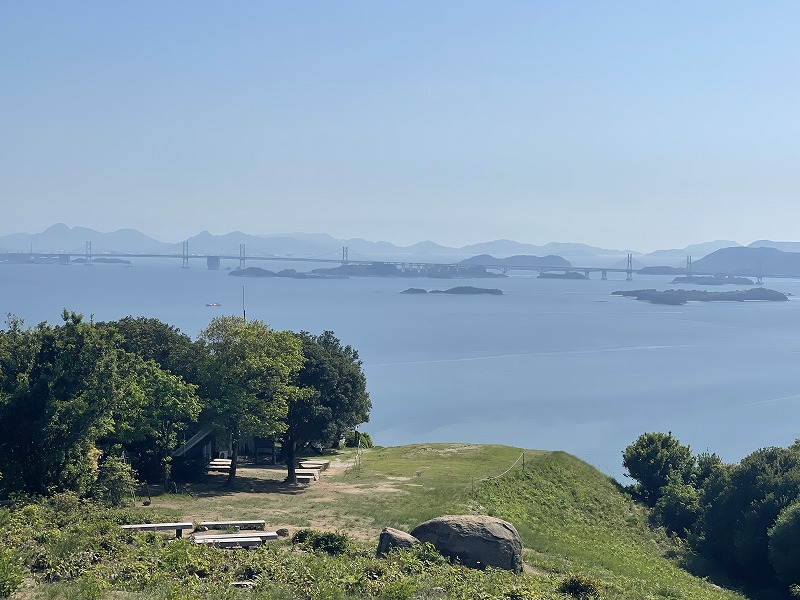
213	261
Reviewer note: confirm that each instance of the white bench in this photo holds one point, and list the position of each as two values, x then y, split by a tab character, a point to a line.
228	542
305	478
311	472
315	464
265	536
233	524
178	527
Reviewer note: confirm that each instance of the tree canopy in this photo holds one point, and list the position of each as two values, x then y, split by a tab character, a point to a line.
334	398
249	378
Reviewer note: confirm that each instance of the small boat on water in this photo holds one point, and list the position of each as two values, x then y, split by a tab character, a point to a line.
213	304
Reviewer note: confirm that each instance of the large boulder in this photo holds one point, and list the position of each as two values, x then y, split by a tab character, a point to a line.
476	541
394	538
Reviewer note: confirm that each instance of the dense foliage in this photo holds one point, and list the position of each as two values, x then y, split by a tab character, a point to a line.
90	407
744	518
334	397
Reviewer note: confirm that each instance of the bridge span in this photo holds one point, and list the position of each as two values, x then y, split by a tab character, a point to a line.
213	262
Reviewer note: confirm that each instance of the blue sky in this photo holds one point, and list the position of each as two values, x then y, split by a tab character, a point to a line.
620	124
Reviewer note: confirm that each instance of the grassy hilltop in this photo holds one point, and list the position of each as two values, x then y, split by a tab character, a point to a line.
573	521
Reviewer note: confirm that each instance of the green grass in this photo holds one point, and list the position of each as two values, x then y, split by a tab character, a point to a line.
572	520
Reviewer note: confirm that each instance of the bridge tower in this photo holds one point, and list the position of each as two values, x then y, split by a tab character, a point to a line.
345	253
689	265
760	274
242	255
88	253
185	255
629	269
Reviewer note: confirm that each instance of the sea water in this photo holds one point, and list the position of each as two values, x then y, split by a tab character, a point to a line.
551	364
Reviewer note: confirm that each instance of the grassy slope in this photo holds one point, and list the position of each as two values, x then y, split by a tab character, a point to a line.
571	517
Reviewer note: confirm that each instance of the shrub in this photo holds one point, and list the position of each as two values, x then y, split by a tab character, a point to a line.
11	572
783	551
116	482
580	587
352	438
330	542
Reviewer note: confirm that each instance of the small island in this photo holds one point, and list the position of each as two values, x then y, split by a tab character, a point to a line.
713	280
382	269
567	275
286	273
678	297
463	289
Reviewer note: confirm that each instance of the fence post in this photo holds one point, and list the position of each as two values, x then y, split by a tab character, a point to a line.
523	462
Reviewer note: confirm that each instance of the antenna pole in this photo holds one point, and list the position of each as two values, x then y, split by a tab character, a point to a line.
244	311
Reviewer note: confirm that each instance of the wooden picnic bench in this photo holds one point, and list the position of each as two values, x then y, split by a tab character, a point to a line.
231	524
178	527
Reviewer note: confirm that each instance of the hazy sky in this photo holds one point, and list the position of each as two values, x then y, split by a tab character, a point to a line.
623	124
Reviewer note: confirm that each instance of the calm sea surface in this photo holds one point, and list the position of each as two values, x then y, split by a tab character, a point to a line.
552	364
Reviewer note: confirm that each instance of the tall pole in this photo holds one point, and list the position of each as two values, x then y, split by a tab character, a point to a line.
244	310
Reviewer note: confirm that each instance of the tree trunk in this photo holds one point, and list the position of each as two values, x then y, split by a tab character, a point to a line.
291	463
234	461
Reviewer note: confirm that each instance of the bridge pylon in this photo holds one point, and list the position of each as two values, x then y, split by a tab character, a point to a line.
629	268
88	253
185	255
242	255
345	255
689	265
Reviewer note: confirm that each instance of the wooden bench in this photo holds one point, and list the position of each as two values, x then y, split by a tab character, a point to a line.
232	524
178	527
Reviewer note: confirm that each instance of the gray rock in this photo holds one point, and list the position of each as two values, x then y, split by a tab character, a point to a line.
394	538
476	541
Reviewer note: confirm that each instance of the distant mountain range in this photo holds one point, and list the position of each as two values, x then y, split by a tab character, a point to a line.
520	260
61	238
750	261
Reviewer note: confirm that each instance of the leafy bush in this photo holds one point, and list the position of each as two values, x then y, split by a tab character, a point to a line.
783	551
116	482
352	438
11	572
580	587
330	542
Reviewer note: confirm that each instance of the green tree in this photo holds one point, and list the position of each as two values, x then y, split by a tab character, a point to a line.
678	506
654	460
157	406
784	551
164	344
248	378
58	389
116	481
735	526
334	399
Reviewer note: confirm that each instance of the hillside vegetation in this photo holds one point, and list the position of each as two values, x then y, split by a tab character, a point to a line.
577	528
